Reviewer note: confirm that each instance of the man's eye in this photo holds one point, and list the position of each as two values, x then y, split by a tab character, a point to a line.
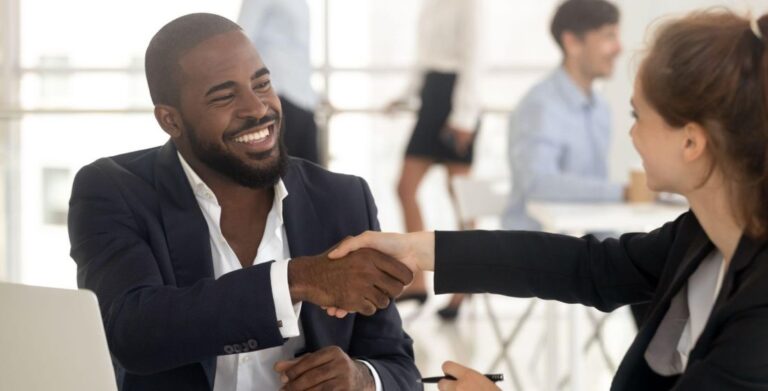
262	86
222	98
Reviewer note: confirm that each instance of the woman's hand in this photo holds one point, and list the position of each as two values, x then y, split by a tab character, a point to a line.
415	250
467	379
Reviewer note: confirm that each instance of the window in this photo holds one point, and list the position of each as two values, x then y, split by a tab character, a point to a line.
83	95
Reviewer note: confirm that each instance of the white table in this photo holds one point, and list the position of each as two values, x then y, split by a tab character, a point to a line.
578	219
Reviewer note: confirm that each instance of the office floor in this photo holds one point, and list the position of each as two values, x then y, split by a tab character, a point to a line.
471	340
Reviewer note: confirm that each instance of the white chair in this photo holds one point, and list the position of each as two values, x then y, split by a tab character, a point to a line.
480	198
477	198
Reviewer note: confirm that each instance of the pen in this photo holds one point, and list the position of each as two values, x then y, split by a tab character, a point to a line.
494	377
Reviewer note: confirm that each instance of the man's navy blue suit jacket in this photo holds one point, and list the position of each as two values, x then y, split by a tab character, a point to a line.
141	244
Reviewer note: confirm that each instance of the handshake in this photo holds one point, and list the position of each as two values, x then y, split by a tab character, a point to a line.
361	274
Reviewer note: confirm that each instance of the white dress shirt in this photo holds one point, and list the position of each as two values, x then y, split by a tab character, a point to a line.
254	370
449	42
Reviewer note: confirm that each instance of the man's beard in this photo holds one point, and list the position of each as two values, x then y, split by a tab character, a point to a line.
225	163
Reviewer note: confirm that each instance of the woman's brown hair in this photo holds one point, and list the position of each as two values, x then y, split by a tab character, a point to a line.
711	68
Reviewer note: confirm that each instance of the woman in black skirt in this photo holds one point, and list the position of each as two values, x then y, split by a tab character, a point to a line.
449	115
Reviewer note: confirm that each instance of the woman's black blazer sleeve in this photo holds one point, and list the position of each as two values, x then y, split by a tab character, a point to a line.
602	274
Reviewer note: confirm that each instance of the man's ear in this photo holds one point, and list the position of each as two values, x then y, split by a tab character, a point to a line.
694	141
572	43
169	119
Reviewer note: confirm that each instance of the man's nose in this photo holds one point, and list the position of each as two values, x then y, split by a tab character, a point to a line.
252	105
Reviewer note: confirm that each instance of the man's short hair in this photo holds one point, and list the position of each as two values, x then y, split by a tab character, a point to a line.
581	16
161	62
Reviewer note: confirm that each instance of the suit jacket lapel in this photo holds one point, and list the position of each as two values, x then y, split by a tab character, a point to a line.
699	248
185	228
634	366
305	237
745	253
302	224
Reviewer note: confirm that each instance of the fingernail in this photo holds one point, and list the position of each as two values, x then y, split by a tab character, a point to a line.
284	379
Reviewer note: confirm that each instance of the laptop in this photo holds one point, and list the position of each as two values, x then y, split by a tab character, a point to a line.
52	339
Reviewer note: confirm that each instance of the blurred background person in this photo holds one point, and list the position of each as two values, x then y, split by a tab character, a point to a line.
559	134
448	64
280	29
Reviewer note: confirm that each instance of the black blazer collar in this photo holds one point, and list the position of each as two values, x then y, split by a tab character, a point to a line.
300	216
306	237
746	251
185	228
698	248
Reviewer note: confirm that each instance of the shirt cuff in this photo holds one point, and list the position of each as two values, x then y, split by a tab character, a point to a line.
375	375
287	313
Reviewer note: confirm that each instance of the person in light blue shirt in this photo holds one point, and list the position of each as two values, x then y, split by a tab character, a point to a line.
280	29
560	132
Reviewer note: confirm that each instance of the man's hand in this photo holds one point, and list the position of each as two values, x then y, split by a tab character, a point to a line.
326	369
357	282
466	379
415	250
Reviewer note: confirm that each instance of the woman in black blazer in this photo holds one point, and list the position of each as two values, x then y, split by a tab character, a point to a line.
701	109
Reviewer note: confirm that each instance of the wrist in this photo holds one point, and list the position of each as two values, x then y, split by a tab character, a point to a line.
366	377
426	259
297	279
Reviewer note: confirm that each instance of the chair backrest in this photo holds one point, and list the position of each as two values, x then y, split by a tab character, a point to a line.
52	339
479	197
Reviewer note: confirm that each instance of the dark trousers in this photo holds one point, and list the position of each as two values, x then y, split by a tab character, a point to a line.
299	131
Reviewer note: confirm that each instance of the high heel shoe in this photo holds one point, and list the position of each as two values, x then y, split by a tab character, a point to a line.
421	298
448	313
451	310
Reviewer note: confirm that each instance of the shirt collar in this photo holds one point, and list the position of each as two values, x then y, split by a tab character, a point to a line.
202	190
572	92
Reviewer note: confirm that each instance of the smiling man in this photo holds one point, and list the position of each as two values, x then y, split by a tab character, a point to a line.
202	252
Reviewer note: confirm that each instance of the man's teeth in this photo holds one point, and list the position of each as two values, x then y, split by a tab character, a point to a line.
255	136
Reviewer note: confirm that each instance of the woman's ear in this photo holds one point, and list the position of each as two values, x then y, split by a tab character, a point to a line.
694	141
169	119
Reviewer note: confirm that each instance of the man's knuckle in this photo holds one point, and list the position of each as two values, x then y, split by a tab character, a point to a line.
335	350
